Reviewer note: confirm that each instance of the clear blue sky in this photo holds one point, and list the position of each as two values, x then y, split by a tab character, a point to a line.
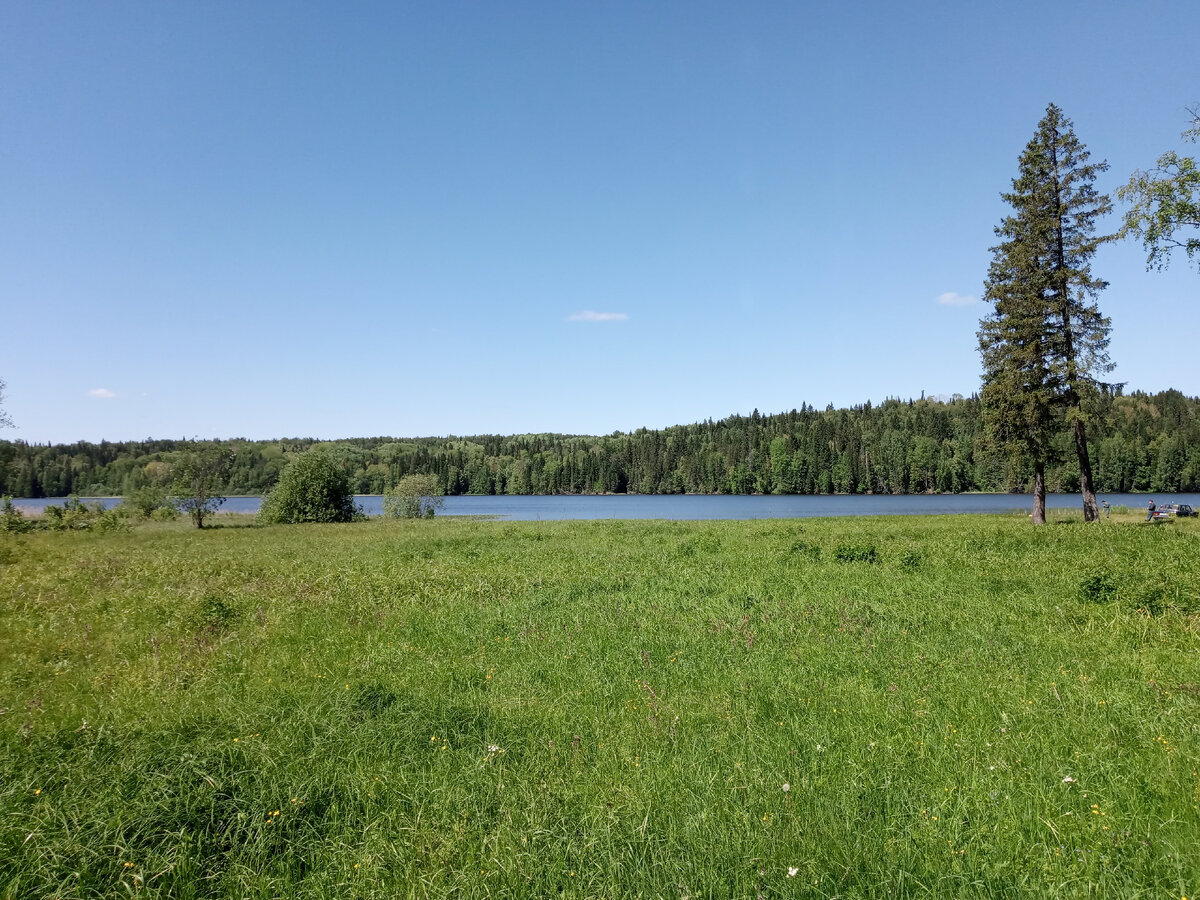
350	219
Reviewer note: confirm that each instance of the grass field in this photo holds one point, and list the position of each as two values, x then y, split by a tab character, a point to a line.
890	707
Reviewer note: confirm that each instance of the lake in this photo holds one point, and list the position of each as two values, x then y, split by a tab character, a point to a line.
694	507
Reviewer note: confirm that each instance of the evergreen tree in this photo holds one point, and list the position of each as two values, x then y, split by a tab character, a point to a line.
1018	386
1045	337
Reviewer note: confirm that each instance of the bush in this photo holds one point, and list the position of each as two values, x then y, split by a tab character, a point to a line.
11	519
147	500
413	496
75	515
312	488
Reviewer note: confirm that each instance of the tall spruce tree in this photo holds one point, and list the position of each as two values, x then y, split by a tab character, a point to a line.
1045	341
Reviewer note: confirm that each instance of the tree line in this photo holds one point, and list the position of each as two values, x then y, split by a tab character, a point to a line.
1140	442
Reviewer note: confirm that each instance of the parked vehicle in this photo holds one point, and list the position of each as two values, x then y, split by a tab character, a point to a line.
1182	510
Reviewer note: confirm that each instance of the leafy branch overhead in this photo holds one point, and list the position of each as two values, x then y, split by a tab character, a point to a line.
5	419
1165	203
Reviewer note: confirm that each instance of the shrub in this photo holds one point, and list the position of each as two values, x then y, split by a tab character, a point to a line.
413	496
11	519
115	519
312	488
147	500
75	515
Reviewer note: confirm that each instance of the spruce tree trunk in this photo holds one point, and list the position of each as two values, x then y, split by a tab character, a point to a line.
1072	398
1039	493
1090	511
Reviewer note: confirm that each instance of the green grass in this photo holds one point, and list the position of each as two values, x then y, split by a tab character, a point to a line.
958	706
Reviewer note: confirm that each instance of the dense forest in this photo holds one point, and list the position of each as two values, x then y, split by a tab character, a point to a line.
1142	442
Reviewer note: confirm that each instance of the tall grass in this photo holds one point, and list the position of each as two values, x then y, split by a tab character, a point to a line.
891	707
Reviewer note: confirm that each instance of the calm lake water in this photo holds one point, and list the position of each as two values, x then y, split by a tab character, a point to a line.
682	508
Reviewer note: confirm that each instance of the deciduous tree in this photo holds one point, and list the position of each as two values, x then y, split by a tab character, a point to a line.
413	496
198	481
5	420
1164	210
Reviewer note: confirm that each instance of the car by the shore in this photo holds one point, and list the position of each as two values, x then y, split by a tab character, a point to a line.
1182	510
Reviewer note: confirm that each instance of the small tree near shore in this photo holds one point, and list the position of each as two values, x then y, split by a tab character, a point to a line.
198	481
413	496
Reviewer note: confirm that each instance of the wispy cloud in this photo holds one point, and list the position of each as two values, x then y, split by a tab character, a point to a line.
101	393
588	315
950	298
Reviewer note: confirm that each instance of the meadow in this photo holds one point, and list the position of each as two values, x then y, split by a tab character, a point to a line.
958	706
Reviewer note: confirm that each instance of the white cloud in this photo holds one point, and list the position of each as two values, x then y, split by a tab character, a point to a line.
101	393
588	316
950	298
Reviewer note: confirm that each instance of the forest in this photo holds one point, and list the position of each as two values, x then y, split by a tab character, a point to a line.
1140	441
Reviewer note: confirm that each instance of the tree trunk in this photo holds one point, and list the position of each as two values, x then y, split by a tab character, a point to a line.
1039	493
1090	511
1072	398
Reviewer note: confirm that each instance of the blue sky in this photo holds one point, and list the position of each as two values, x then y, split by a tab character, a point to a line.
335	220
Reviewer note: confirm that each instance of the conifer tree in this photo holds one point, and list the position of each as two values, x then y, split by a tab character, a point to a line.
1018	384
1045	341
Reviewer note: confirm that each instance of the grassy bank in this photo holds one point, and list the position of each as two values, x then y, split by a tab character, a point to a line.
888	707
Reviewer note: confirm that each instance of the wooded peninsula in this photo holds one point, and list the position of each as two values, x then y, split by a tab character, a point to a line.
1141	441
